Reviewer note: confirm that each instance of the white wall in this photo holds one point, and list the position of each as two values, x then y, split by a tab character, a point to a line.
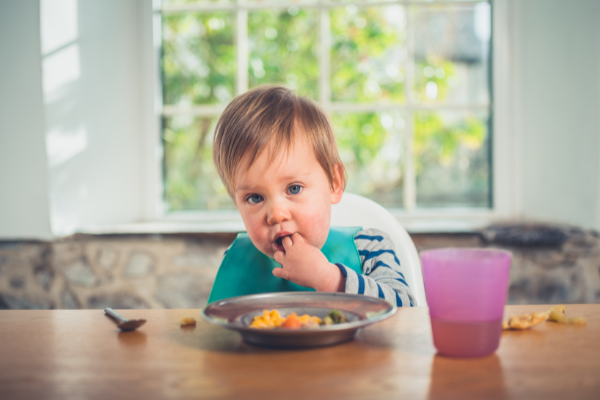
91	91
24	211
557	105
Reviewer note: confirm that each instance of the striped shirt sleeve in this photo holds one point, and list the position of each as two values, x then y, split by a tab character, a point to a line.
382	273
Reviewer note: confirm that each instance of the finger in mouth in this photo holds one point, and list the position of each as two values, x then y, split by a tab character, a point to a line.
279	240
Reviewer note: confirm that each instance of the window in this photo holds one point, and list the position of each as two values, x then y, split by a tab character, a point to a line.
407	84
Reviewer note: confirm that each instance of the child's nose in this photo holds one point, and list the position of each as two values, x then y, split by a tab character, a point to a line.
277	214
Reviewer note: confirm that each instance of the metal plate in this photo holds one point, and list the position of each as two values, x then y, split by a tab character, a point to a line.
236	313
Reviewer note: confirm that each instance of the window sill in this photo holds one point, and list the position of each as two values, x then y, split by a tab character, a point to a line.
419	221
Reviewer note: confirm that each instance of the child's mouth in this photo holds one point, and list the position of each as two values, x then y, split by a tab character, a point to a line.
279	243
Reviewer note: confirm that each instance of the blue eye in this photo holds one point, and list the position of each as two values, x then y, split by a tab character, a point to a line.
295	189
254	199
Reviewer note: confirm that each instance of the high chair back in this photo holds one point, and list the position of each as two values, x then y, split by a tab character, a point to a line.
355	210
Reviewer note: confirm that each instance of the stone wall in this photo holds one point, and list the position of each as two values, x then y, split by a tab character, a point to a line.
87	271
551	264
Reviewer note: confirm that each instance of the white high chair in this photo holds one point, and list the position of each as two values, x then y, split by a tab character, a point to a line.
355	210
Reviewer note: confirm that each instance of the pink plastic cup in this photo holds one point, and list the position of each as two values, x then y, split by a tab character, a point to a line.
466	292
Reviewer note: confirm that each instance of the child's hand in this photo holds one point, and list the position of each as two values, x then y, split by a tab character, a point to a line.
306	265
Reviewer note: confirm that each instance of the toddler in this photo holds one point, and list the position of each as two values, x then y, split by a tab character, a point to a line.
277	156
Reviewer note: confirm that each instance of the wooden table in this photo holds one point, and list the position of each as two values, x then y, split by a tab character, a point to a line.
80	355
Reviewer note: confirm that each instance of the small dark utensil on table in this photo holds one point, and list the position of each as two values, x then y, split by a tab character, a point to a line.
123	323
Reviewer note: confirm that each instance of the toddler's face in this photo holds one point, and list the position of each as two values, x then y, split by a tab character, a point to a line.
290	195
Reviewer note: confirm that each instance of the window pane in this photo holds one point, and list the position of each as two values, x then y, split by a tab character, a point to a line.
198	58
362	1
368	59
449	1
452	48
368	54
452	159
283	49
196	1
293	3
191	181
371	148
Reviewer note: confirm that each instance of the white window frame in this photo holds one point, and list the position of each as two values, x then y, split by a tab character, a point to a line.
504	142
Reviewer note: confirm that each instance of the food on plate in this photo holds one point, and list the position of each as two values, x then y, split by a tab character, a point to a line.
272	319
292	322
555	314
268	319
188	321
334	317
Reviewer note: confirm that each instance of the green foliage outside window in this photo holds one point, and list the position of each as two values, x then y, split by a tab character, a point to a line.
367	55
282	47
368	61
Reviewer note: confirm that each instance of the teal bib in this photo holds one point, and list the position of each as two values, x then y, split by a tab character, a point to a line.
245	270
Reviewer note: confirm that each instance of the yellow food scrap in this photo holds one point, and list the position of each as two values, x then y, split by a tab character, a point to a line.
524	321
188	321
557	314
268	319
579	320
560	308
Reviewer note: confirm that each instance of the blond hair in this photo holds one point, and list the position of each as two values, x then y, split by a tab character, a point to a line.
266	116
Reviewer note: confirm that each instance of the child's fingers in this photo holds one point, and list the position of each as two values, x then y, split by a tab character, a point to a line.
297	238
279	256
280	273
286	242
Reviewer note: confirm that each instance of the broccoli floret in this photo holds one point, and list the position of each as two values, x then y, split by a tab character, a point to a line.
337	317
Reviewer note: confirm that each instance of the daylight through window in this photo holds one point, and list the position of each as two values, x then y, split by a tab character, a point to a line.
407	85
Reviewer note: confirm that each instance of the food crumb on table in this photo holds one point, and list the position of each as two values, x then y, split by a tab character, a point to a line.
555	314
188	321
